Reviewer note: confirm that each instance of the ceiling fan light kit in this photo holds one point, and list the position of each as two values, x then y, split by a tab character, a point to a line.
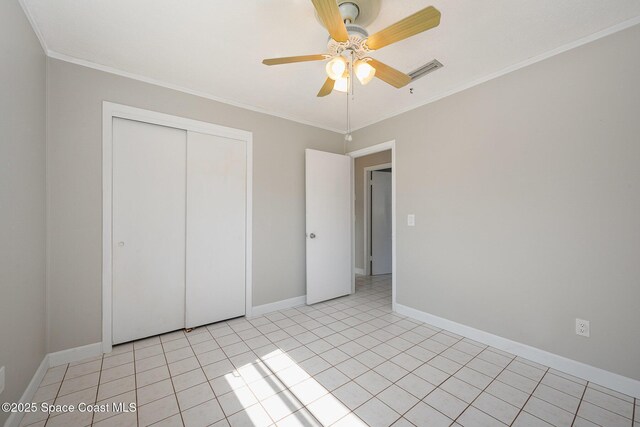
336	67
350	45
342	84
364	72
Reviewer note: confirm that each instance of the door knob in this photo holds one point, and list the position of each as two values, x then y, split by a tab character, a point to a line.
312	236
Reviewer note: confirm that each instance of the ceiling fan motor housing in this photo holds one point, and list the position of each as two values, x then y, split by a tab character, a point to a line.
367	10
364	12
349	11
357	30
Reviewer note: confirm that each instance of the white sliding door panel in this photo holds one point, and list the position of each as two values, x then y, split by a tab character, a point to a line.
148	229
328	212
380	223
216	215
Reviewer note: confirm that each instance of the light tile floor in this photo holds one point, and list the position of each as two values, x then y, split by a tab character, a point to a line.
345	362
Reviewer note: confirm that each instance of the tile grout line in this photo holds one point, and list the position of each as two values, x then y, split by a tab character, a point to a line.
436	386
369	369
93	415
173	387
135	382
287	388
260	333
335	366
235	368
513	358
421	324
156	382
560	407
57	393
368	349
195	356
495	378
207	380
326	325
607	409
529	398
372	369
394	382
338	332
330	364
334	313
484	390
633	403
575	416
453	375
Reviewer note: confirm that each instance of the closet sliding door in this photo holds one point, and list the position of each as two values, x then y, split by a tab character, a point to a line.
149	220
215	240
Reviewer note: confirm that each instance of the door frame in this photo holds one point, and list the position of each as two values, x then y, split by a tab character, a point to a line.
367	212
112	110
389	145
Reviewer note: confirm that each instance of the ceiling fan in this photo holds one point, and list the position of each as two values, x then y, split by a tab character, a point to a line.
350	45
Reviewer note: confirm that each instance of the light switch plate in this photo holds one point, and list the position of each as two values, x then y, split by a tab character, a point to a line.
1	380
411	220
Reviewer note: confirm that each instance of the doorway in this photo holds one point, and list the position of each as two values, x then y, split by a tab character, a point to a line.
366	162
377	220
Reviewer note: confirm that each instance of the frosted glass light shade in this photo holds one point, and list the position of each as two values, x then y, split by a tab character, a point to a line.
335	68
342	84
364	72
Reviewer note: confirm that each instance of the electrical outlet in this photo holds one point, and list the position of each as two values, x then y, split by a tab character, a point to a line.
582	327
411	220
1	380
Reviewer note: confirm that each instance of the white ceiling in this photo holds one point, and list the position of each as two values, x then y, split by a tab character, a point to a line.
215	47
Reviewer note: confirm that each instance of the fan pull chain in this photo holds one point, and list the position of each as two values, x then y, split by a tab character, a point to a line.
348	136
350	94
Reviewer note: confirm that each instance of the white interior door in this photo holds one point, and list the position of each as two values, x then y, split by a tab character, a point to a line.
381	255
328	225
216	213
148	229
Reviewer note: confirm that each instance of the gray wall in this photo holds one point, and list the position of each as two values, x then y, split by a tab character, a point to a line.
75	186
22	201
359	165
526	191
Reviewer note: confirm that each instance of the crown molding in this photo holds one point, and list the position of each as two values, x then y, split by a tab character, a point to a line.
166	85
34	26
553	52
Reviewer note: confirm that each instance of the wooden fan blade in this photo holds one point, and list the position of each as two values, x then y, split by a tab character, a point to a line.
390	75
291	59
327	87
332	19
410	26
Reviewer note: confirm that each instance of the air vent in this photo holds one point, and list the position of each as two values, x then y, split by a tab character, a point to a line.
427	68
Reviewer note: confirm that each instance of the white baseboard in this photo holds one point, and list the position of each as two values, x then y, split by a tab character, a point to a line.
50	360
75	354
608	379
16	417
359	271
278	305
